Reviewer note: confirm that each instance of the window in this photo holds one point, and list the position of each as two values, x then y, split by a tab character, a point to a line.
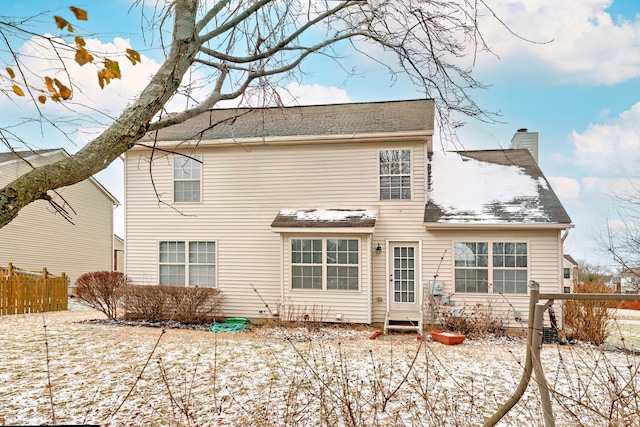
186	179
196	269
331	264
502	264
395	174
567	273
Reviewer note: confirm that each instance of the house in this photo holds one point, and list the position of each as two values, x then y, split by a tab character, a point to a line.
630	281
342	212
41	237
570	273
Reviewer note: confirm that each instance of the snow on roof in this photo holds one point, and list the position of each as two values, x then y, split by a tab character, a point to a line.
325	217
490	186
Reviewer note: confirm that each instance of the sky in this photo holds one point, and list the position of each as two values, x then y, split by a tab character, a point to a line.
572	74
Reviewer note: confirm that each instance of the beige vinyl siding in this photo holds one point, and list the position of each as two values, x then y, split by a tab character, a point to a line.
243	188
544	265
39	237
353	305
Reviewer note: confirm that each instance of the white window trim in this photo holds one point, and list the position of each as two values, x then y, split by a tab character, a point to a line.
411	174
186	263
174	180
490	267
324	264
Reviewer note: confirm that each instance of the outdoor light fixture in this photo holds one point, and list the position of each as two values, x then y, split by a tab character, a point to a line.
378	249
339	316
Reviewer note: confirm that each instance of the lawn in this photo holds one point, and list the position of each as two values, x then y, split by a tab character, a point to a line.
138	376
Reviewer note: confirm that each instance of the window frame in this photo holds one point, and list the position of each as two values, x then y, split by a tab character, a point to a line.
324	265
492	268
401	175
186	263
197	160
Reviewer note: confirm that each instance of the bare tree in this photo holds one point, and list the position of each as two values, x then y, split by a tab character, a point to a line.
622	237
245	45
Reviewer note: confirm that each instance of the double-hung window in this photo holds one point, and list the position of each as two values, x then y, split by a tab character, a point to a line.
395	174
330	264
491	267
183	262
186	178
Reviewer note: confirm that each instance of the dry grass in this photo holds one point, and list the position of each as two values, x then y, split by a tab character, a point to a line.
202	378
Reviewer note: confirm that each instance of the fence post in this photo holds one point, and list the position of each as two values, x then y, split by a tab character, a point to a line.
9	269
536	346
65	293
534	294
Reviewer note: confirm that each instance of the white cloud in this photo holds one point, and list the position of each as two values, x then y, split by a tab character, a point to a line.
314	94
88	97
292	94
611	148
588	45
621	188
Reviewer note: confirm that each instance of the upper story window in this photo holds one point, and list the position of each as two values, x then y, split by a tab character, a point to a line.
331	264
395	174
501	264
186	178
567	273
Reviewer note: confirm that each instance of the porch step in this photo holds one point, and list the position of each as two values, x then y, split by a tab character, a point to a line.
403	321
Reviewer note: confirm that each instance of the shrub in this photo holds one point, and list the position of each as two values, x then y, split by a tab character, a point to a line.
182	304
588	320
101	290
479	322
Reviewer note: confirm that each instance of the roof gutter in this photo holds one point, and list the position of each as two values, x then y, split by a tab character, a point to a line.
388	137
494	226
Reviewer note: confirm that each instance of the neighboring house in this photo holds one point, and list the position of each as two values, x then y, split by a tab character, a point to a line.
118	253
41	237
570	273
345	211
630	281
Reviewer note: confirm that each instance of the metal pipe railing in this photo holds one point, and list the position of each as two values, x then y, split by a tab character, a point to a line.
534	344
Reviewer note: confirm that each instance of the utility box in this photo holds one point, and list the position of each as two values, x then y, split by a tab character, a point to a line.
549	335
435	287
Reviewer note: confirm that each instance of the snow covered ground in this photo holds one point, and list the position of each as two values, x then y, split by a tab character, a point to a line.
275	377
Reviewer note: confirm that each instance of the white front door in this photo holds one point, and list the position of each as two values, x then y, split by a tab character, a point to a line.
403	283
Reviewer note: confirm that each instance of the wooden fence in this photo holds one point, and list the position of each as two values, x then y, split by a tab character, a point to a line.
23	292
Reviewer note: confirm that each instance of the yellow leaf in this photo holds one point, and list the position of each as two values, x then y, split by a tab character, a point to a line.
65	92
11	73
112	66
101	79
17	90
70	28
60	22
42	99
82	56
55	97
132	56
80	41
49	82
81	14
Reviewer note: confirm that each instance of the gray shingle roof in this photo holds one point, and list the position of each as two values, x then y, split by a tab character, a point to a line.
502	203
307	120
9	156
319	218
